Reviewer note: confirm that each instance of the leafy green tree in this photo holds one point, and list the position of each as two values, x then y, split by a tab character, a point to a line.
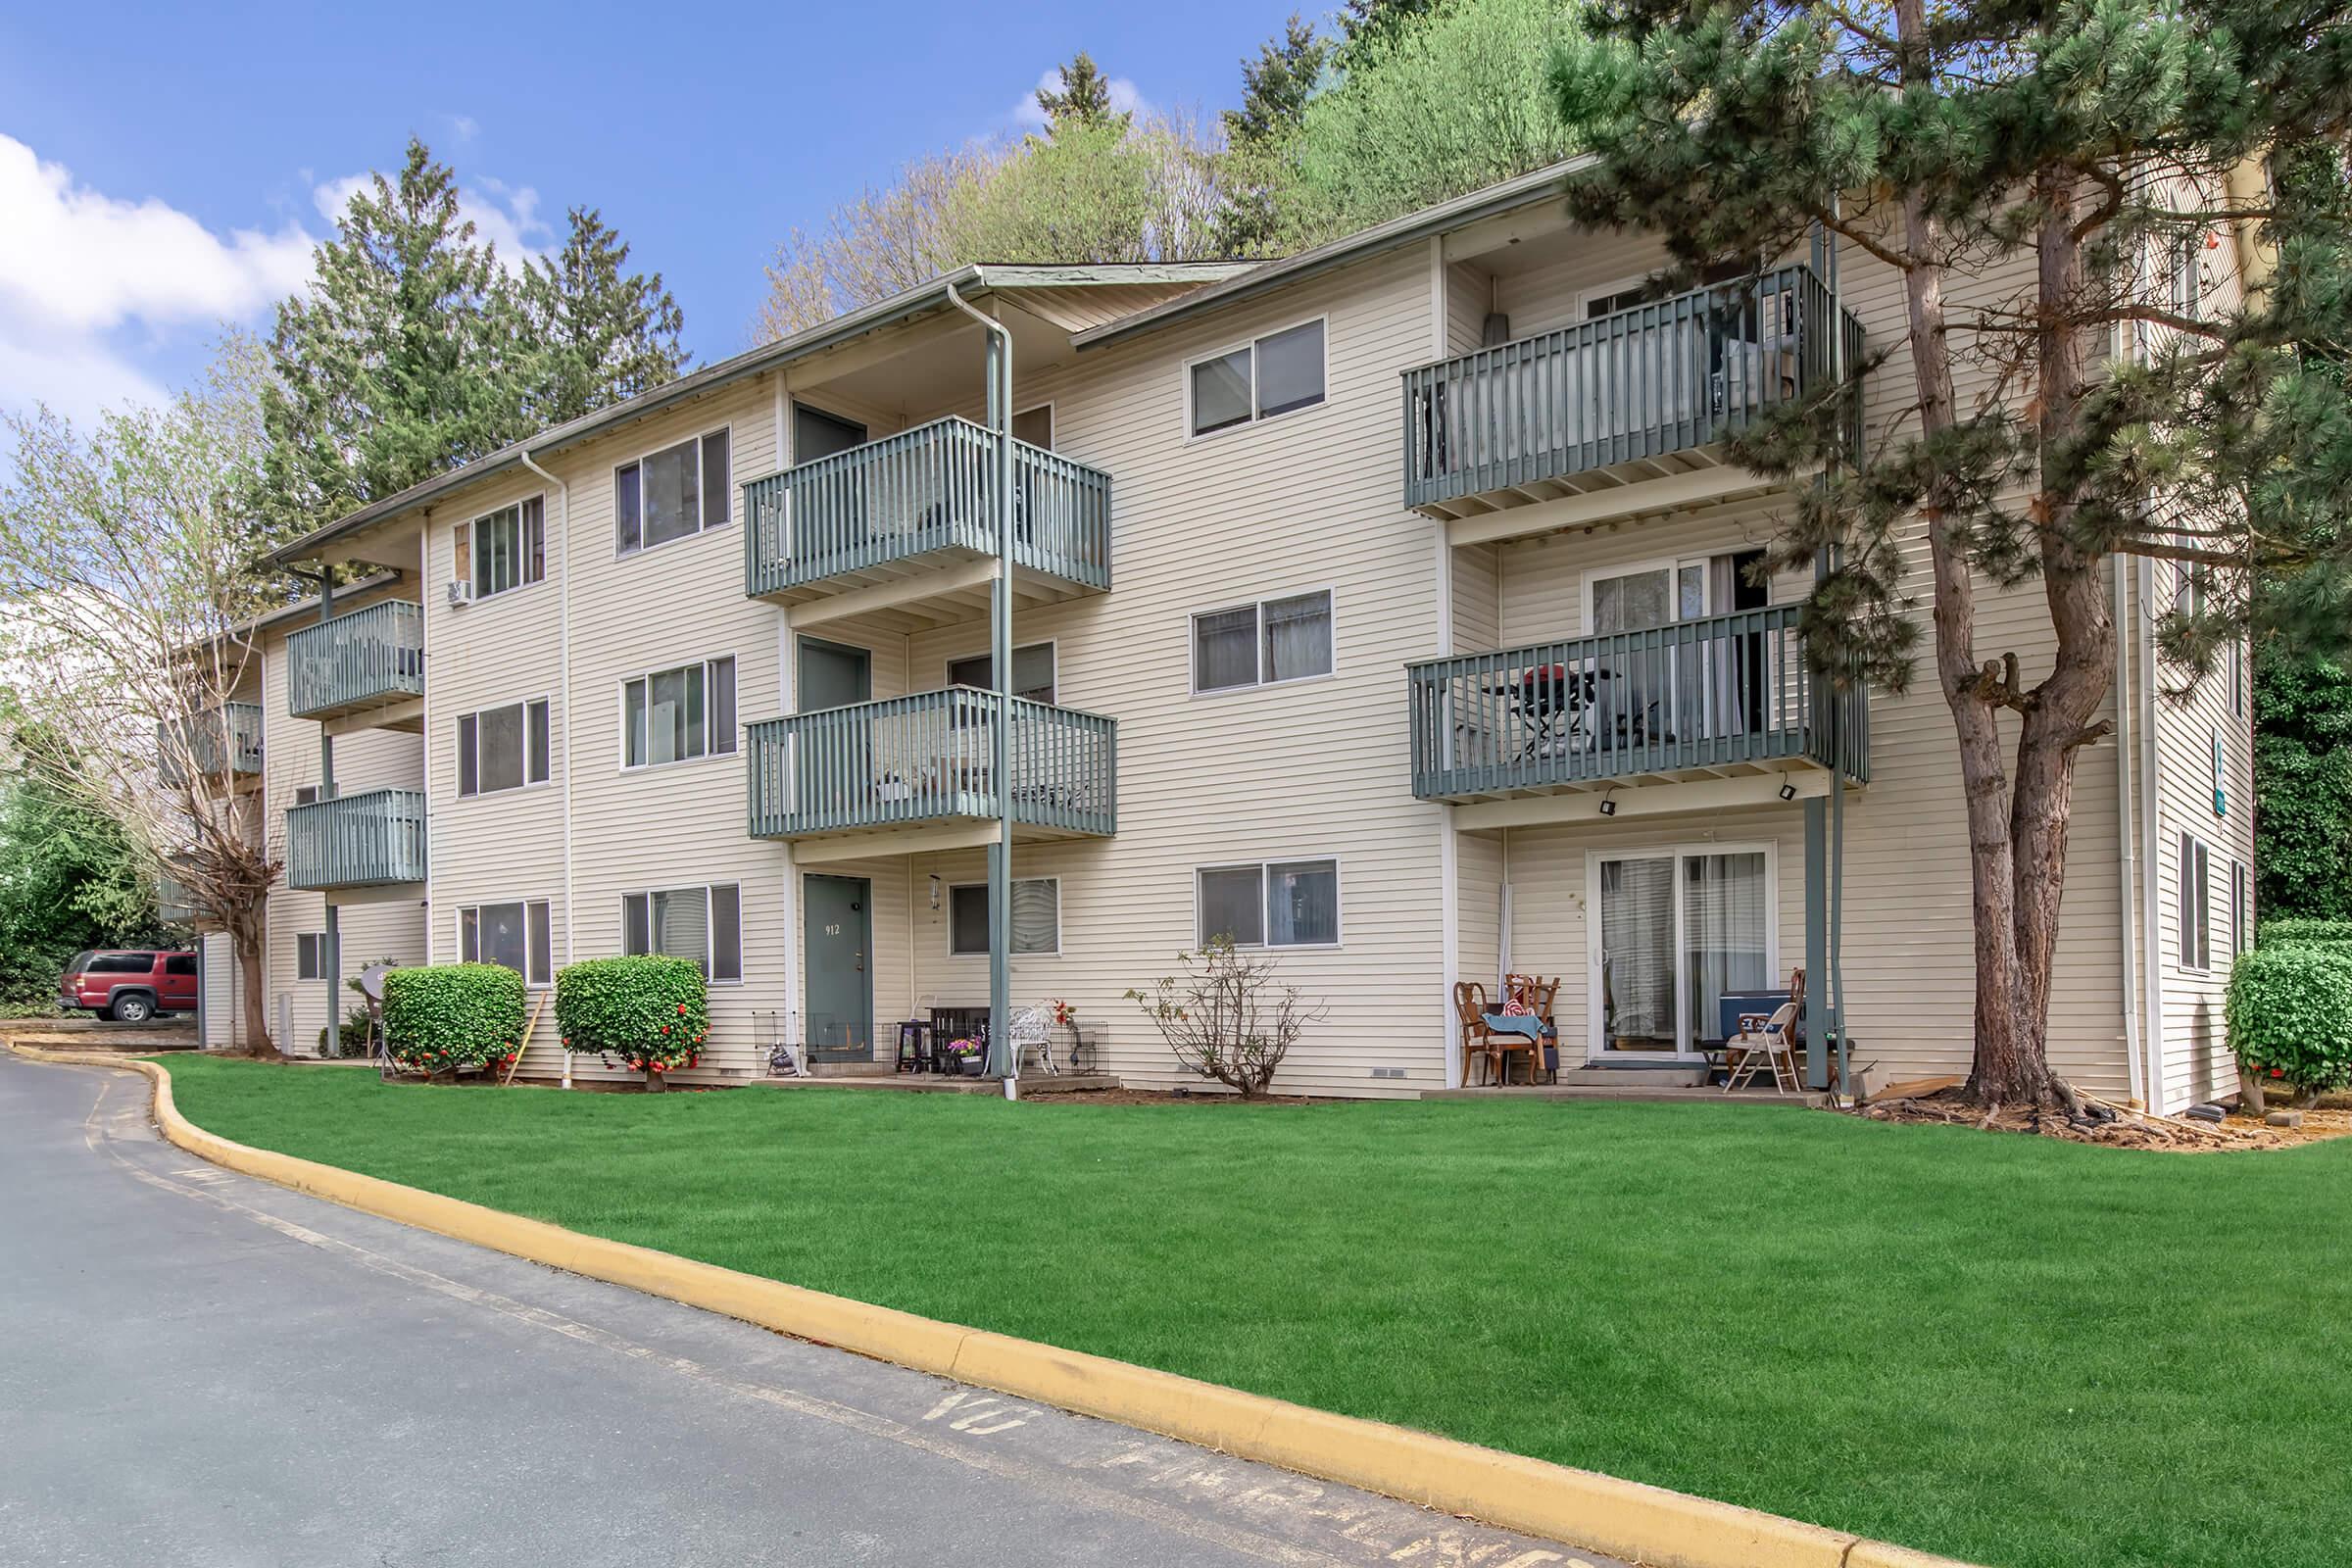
1369	25
1083	101
1260	134
70	879
2036	177
402	359
2302	785
596	334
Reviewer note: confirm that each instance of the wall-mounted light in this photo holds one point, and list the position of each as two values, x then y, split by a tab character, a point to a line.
1787	793
935	890
1608	806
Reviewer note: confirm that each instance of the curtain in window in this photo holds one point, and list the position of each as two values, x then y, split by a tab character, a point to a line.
1225	648
1723	921
682	925
1298	637
1727	680
502	937
1637	954
1302	903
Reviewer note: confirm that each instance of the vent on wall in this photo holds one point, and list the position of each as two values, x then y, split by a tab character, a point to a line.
1388	1072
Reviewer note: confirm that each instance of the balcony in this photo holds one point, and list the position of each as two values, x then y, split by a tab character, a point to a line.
367	662
174	905
223	743
931	759
1721	697
1638	394
908	523
375	839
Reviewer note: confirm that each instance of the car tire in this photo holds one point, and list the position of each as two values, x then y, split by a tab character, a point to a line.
133	1008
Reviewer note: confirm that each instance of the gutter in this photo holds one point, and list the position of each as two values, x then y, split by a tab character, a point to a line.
2151	780
2127	868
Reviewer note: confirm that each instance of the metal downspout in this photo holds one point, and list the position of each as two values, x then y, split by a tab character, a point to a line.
1004	1060
2151	797
2127	868
1837	947
331	960
563	664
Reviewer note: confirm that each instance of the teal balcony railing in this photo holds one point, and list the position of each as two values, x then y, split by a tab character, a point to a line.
173	901
357	841
925	492
224	742
1657	378
1724	692
932	758
371	657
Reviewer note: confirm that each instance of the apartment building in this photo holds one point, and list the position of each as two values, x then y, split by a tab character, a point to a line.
1385	607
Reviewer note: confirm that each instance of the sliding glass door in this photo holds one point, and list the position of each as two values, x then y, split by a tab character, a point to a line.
1673	932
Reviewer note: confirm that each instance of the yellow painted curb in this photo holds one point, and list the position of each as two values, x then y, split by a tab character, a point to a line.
1643	1524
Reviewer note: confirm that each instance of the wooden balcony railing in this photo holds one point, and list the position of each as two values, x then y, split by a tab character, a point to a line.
357	841
218	742
1661	377
1722	692
921	492
368	658
930	758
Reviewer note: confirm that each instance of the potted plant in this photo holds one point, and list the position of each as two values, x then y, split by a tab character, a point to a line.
966	1054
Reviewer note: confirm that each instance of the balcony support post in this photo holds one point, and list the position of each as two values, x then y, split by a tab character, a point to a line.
333	940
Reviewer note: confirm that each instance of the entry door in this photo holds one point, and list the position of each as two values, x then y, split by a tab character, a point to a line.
831	766
1676	932
839	940
833	675
1645	692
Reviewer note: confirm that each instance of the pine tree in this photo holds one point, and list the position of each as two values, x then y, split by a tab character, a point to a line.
1369	25
595	334
1260	134
399	361
1084	99
2038	178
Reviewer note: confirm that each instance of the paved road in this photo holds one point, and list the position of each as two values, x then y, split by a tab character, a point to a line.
197	1368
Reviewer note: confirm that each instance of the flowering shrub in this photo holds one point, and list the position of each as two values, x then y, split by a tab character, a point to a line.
2290	1014
449	1015
961	1048
647	1012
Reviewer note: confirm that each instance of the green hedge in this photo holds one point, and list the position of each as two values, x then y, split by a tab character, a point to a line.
2290	1013
452	1014
2280	932
651	1013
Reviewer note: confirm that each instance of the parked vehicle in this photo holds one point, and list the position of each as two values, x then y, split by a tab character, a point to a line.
129	985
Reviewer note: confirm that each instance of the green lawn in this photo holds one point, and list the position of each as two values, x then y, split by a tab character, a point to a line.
2008	1350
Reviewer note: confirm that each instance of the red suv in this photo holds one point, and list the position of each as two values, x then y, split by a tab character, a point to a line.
129	986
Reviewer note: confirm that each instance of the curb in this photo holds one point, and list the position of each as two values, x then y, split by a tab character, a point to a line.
1642	1524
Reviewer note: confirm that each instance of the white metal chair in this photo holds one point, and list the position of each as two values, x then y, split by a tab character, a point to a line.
1029	1032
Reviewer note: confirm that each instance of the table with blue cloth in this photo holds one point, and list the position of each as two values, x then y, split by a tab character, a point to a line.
1521	1024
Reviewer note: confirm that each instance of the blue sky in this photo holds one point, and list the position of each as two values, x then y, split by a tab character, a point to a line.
164	167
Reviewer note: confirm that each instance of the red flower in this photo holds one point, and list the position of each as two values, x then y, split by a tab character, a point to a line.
682	1009
665	1028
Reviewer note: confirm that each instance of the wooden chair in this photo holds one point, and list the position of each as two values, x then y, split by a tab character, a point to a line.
1768	1040
1535	995
1478	1041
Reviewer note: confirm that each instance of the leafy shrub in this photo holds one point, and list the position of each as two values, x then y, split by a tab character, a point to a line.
352	1038
2277	933
651	1013
2290	1014
452	1014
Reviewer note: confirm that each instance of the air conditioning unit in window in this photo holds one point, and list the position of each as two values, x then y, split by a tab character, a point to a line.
460	592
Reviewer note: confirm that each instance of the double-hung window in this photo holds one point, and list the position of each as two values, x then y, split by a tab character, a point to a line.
705	924
1036	917
502	748
310	956
1259	645
1277	373
674	715
1274	903
2196	904
672	493
516	935
505	549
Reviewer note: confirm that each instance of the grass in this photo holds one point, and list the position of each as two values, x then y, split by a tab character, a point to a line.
2012	1352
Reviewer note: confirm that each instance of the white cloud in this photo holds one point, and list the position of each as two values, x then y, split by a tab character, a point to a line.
1125	99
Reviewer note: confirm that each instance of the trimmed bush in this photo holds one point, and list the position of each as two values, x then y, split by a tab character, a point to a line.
2290	1014
2280	932
452	1014
648	1011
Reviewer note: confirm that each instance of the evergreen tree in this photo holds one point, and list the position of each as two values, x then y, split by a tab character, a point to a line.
596	336
2037	177
401	360
1367	26
1260	134
1084	99
2302	784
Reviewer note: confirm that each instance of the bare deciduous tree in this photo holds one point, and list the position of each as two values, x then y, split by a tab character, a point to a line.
1226	1017
127	607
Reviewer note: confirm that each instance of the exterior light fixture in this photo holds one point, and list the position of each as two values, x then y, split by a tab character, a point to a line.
1608	808
1787	793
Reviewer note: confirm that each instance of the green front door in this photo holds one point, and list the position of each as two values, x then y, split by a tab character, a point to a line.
837	914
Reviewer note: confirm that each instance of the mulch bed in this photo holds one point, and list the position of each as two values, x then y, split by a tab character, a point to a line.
2127	1129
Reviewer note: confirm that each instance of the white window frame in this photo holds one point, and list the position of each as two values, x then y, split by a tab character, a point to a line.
1052	645
1601	291
1054	951
546	958
622	700
2193	849
2241	907
457	772
1257	606
315	966
710	925
473	534
1250	343
1338	901
1685	1037
703	526
1671	566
